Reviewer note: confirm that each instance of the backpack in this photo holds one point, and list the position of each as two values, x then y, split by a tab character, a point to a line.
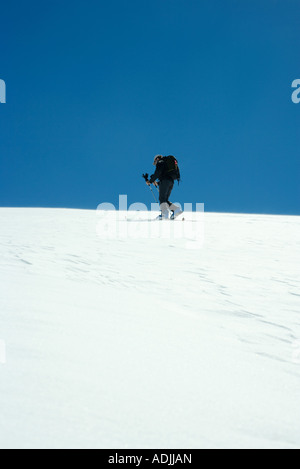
172	168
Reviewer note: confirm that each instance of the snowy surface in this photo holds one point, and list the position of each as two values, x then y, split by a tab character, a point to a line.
145	343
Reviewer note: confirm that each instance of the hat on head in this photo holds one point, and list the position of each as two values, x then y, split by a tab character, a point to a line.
156	159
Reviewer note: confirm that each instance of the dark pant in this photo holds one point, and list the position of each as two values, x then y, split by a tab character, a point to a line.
165	189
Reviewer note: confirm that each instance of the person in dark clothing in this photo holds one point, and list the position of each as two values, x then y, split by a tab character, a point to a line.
166	184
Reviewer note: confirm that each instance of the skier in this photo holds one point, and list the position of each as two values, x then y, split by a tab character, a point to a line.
167	171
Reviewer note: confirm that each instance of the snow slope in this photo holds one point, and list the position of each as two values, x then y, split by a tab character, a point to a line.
145	343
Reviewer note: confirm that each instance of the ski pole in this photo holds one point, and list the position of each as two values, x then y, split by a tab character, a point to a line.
153	195
145	176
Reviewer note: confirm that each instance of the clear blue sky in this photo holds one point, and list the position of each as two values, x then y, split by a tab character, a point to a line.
96	88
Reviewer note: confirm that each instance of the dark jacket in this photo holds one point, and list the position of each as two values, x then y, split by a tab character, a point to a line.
162	173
